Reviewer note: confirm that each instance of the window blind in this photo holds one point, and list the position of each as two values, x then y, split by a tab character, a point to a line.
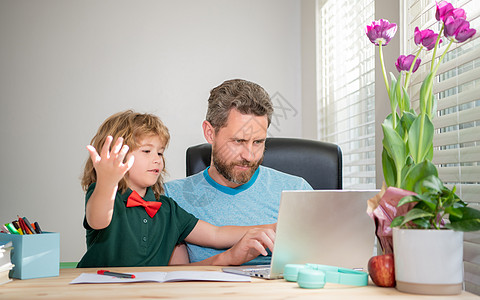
457	123
346	87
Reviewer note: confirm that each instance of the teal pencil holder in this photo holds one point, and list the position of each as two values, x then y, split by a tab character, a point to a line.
34	255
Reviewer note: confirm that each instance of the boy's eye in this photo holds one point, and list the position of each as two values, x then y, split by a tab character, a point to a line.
160	154
146	151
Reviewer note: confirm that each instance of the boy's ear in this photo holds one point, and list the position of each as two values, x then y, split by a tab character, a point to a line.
208	132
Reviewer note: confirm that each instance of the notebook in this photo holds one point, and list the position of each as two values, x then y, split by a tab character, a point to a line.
328	227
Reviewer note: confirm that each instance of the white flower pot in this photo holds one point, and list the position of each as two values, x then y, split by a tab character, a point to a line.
428	261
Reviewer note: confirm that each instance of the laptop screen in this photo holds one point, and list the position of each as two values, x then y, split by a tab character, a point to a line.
328	227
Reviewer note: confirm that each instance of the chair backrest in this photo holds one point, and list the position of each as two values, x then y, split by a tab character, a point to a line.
319	163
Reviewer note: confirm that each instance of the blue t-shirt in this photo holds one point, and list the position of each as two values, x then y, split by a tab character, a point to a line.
253	203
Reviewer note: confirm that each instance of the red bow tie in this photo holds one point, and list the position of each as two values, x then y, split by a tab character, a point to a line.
151	207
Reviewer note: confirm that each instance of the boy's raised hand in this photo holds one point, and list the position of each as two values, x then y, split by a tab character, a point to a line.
109	164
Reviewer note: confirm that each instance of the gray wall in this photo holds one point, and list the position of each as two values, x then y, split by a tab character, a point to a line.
67	65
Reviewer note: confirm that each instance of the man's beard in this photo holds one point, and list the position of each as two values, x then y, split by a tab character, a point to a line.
227	169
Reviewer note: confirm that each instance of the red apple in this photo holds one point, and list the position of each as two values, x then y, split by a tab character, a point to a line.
382	270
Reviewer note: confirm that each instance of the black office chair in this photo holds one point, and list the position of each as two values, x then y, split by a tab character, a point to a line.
319	163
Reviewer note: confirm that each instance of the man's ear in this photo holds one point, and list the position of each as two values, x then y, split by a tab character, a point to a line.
208	132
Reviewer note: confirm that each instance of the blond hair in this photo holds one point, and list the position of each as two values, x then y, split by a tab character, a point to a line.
132	127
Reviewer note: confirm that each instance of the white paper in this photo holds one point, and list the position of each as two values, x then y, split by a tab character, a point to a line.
204	276
162	277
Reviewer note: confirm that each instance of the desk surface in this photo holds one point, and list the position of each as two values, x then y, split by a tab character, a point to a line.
59	288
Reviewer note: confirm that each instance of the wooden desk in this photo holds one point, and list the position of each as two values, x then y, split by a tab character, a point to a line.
59	288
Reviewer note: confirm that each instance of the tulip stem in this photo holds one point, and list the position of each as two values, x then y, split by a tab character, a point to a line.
435	48
399	177
394	116
420	139
407	77
441	57
430	84
383	67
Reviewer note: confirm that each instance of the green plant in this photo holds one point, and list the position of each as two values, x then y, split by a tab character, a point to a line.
408	136
435	203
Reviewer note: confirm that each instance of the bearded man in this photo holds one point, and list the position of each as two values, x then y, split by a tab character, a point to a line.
235	189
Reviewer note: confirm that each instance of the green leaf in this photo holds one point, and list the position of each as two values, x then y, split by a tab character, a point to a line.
389	173
459	203
417	173
406	100
468	213
430	105
405	123
469	221
424	92
398	92
422	223
406	168
395	147
432	183
400	130
393	96
388	121
426	203
420	137
430	153
407	120
454	212
397	221
434	108
407	199
409	161
465	226
415	213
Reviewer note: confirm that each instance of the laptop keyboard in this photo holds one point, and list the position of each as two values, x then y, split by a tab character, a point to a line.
260	272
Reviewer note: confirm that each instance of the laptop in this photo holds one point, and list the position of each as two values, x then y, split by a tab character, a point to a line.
328	227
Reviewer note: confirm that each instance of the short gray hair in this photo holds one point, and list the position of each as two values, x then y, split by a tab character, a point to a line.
245	96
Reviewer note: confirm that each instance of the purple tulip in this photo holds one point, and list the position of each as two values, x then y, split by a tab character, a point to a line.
456	13
404	63
426	38
442	9
381	30
445	10
458	29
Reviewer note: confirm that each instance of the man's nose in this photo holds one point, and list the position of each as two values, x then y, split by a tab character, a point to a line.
247	152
